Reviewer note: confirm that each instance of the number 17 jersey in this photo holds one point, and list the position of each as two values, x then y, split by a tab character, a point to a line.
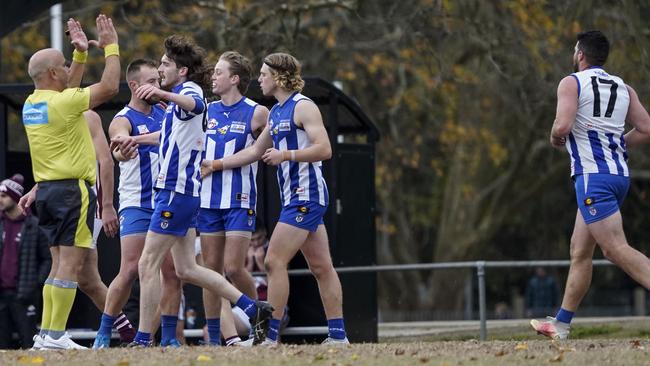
596	143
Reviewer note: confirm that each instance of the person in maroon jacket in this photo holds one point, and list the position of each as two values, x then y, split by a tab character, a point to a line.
24	264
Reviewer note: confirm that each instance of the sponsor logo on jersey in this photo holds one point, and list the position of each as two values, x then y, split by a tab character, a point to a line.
242	197
167	214
251	212
238	127
212	123
592	211
284	125
223	130
303	209
589	201
299	190
142	129
164	224
35	114
299	218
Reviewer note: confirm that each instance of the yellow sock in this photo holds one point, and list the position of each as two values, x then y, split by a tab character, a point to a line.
47	307
62	299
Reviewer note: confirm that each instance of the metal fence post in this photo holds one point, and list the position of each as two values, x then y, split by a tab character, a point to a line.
480	273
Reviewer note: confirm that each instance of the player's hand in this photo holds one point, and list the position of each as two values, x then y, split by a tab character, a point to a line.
27	200
77	36
106	33
206	168
109	221
558	142
273	157
148	92
126	144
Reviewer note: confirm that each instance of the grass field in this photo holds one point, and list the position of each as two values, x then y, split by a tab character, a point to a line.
612	343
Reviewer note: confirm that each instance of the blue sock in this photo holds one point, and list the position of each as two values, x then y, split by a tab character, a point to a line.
168	326
106	326
564	316
248	305
214	330
142	338
274	329
336	328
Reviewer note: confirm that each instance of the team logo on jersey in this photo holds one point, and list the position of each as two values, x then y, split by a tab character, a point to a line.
592	211
238	127
589	201
299	218
250	221
212	123
303	209
251	212
142	129
284	125
164	224
223	130
167	214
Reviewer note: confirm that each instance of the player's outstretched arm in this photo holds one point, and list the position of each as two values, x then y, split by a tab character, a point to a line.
103	155
567	108
109	84
244	157
308	116
148	138
123	145
638	116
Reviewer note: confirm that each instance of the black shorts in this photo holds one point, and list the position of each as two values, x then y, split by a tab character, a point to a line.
66	212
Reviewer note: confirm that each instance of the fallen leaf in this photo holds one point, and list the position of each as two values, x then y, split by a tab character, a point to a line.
424	359
37	360
31	359
204	358
399	352
521	346
591	346
636	344
500	353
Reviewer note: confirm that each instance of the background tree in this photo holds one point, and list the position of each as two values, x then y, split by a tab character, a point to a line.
463	93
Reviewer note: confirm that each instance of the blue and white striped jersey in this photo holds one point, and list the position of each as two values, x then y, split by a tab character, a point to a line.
298	181
229	131
137	175
181	144
596	143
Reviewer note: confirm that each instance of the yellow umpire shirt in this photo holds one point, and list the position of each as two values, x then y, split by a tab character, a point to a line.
59	139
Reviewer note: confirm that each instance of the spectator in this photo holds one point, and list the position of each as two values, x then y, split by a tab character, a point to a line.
541	294
24	264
